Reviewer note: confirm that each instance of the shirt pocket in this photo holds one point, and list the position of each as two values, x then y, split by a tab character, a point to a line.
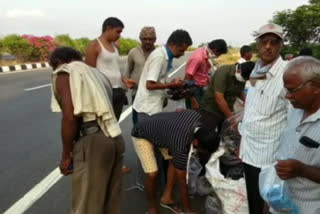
264	103
308	151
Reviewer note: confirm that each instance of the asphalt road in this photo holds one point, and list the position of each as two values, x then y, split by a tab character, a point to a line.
31	146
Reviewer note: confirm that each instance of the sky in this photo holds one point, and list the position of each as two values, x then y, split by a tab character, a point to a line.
205	20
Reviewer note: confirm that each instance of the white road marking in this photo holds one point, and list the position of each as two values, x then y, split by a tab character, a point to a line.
41	188
35	88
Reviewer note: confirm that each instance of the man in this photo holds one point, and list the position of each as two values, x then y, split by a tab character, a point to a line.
137	58
198	67
102	54
174	131
92	145
225	86
299	157
265	113
245	53
151	95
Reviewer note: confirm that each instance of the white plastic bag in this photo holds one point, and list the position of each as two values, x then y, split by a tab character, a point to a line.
275	191
232	193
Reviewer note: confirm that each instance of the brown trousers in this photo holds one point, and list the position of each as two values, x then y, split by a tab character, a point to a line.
97	178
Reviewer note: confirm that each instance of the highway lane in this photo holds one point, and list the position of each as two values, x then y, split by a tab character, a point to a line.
31	146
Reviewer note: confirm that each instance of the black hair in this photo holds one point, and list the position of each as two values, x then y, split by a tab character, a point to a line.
111	22
219	45
245	49
208	139
64	55
179	37
246	69
306	52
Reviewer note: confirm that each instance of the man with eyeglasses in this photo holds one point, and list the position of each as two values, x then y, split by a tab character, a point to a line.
299	155
265	113
137	58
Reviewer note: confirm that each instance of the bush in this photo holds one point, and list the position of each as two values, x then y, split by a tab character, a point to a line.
18	46
125	45
41	47
64	40
81	44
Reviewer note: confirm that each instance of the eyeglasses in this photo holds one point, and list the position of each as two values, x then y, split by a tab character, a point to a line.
294	90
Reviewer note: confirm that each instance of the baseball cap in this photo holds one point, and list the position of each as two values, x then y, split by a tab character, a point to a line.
270	28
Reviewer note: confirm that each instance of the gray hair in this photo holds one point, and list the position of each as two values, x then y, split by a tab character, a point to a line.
306	67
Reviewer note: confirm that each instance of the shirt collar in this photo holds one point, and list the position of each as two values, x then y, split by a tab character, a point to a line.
313	117
169	53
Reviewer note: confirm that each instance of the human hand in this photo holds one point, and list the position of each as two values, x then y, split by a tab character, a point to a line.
130	83
65	166
178	83
194	104
289	168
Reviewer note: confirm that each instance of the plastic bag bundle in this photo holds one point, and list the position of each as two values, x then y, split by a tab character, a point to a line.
229	135
232	193
203	186
275	191
213	204
193	171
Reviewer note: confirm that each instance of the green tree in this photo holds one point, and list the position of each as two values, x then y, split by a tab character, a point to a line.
64	40
81	44
126	44
301	27
18	46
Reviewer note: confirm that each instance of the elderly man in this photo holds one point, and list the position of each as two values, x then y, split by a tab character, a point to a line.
92	145
299	156
265	114
137	58
198	67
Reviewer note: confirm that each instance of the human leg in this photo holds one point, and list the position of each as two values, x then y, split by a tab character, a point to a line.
256	203
94	159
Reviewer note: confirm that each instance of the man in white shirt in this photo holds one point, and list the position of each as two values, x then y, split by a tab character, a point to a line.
154	78
265	114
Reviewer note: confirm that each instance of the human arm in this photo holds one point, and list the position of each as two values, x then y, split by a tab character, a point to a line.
291	168
130	83
152	85
222	103
69	123
183	190
92	54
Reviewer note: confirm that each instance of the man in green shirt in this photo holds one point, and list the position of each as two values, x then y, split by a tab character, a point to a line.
225	86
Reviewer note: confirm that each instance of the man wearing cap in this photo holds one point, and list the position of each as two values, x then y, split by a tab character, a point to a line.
137	58
265	113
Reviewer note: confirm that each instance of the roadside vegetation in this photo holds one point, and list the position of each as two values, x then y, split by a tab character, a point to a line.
301	27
